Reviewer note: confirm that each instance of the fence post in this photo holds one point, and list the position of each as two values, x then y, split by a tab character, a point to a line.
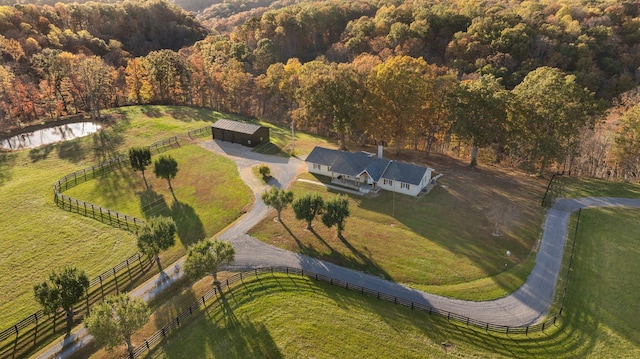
129	270
86	292
115	277
35	333
101	287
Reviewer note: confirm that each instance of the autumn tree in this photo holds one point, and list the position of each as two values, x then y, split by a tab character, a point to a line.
157	235
279	199
95	78
140	158
168	75
335	213
308	207
551	110
117	319
206	256
627	142
63	289
166	167
333	94
6	81
478	113
139	89
398	90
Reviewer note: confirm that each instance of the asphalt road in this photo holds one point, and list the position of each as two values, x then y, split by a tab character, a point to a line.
527	305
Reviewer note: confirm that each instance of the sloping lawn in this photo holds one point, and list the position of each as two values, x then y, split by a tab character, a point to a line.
441	242
208	189
38	236
293	317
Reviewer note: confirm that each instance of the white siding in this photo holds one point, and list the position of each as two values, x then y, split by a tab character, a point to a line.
319	169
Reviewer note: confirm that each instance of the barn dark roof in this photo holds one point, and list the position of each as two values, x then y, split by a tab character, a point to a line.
236	126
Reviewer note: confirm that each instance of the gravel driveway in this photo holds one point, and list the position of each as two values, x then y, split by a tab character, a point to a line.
527	305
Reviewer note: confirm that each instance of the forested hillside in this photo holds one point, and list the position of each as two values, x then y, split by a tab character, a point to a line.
527	83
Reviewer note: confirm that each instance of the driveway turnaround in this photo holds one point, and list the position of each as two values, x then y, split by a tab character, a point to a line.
527	305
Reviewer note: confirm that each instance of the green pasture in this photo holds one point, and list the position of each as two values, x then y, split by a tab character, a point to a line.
38	236
208	189
441	242
590	187
291	317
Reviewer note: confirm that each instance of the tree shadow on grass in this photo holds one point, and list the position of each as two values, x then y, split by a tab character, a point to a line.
41	153
188	114
153	204
358	260
71	151
247	339
153	112
190	227
188	224
174	301
7	161
106	143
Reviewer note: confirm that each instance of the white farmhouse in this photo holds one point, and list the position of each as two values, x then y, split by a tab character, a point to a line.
365	172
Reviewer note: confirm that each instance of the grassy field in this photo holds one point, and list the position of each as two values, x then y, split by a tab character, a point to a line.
292	317
209	192
38	236
441	242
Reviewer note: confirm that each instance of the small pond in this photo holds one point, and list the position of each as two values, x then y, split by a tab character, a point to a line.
49	135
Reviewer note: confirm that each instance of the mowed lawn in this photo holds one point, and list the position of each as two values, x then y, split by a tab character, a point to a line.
294	317
37	236
441	242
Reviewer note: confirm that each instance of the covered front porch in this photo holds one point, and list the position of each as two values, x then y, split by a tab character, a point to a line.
359	183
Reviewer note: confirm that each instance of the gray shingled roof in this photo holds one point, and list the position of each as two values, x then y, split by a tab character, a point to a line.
353	164
322	156
236	126
404	172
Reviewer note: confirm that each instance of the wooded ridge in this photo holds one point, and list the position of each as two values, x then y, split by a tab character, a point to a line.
527	81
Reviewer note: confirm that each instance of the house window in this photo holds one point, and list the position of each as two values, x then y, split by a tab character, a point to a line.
316	166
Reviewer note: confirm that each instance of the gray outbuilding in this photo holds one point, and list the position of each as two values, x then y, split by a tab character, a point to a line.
246	134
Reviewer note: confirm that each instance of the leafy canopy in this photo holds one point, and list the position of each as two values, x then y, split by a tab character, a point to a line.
116	320
206	256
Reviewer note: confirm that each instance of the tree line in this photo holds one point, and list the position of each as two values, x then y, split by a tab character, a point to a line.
523	83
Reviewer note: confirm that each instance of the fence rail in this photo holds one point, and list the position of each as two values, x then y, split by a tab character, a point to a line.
200	132
164	145
38	328
175	323
30	331
94	211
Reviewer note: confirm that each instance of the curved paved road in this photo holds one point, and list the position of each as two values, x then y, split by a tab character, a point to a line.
528	305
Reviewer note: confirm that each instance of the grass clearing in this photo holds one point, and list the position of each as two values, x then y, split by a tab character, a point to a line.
441	242
38	236
263	317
